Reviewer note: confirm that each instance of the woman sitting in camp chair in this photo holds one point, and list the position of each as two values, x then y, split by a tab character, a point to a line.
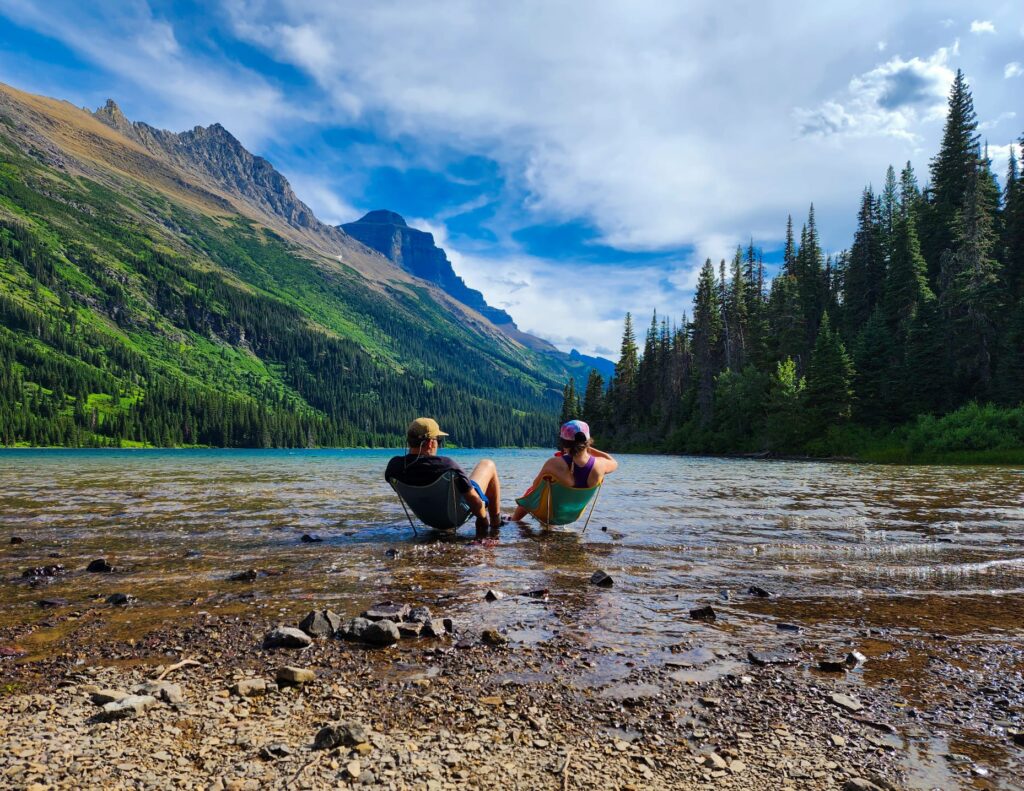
566	483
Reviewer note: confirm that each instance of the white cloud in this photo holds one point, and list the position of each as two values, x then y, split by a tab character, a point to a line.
979	26
128	40
323	199
880	46
1000	156
994	122
1012	69
889	100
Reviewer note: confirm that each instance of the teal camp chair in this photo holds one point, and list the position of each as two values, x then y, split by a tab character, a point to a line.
554	504
438	505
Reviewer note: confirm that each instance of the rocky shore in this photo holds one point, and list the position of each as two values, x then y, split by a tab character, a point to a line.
235	702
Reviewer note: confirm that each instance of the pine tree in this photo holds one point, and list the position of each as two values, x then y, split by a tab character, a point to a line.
593	402
570	402
1013	230
705	332
623	386
910	193
953	170
907	280
829	393
863	289
889	206
736	315
873	383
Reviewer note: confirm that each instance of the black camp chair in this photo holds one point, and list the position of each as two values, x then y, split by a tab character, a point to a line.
438	505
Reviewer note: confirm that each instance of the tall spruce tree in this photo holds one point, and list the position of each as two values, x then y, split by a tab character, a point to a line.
953	170
863	288
705	333
829	394
622	391
1013	230
570	402
593	402
873	382
907	278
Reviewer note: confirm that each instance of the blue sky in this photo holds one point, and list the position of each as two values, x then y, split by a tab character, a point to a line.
576	159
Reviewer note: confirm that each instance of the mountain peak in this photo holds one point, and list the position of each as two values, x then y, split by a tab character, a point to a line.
383	217
111	115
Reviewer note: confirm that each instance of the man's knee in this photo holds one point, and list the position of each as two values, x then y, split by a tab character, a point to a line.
487	467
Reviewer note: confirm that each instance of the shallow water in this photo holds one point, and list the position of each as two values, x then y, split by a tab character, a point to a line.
933	548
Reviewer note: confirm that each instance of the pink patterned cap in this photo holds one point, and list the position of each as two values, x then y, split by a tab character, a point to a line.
572	428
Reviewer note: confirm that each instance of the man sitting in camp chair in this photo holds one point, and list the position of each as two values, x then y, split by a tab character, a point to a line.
480	491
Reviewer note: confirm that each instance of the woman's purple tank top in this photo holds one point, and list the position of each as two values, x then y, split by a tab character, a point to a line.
579	474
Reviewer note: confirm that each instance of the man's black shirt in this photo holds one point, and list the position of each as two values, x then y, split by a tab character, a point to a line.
424	470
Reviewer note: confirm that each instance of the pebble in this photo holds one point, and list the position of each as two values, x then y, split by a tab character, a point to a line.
309	538
757	590
354	768
17	540
602	579
706	613
294	675
99	566
121	599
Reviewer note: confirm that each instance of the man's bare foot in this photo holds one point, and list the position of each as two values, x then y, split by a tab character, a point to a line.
497	520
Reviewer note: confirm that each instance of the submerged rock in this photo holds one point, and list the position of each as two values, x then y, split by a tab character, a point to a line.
789	627
493	637
706	613
438	627
321	623
855	659
833	664
757	590
286	637
44	571
244	576
602	579
121	599
48	604
17	540
308	538
99	566
494	595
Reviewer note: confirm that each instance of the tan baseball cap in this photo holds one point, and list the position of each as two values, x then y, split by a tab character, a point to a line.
425	428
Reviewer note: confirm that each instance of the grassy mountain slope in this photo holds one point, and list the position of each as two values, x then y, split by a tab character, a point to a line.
143	303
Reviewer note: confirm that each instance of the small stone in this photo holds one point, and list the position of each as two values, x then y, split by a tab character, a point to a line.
832	664
620	745
855	659
715	761
845	701
354	768
102	697
602	579
49	604
408	629
392	554
788	627
309	538
757	590
321	623
763	658
706	613
736	767
387	610
53	570
128	706
286	637
492	700
17	540
837	741
493	637
494	595
244	576
382	633
162	690
276	750
294	675
99	566
249	687
418	615
121	599
344	734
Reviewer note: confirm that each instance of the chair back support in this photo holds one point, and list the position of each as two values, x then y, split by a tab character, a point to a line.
554	504
438	505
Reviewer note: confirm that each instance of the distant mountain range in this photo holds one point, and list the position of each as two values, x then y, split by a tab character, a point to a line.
142	267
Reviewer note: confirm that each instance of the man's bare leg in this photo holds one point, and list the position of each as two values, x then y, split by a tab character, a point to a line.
486	474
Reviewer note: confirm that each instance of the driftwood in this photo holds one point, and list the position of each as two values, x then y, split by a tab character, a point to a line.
177	666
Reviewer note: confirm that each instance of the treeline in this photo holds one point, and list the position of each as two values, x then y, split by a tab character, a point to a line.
923	315
113	333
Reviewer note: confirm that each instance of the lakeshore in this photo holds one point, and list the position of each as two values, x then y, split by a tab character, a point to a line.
916	570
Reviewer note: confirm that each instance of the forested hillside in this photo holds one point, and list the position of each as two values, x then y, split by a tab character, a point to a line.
130	315
857	354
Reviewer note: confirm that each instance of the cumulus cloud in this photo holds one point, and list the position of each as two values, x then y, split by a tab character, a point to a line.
1012	69
981	26
890	100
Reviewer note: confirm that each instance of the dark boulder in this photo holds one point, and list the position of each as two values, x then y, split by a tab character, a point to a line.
602	579
321	623
99	566
706	613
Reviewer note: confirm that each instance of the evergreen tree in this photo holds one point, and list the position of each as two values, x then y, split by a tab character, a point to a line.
874	382
785	425
863	287
705	333
953	170
907	280
593	402
571	409
829	393
622	392
1013	230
